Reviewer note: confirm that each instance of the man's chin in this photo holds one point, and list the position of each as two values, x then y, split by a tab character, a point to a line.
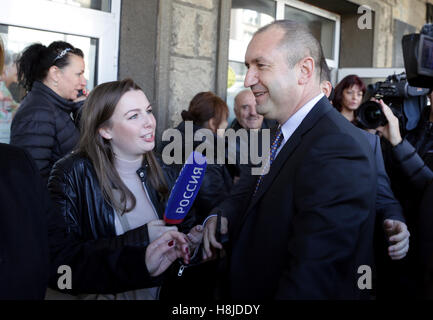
255	124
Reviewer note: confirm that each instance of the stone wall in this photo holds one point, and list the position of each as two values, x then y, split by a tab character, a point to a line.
192	45
193	52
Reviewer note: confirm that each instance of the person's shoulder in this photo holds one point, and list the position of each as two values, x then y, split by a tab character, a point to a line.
269	123
335	122
16	159
74	162
35	106
12	153
372	138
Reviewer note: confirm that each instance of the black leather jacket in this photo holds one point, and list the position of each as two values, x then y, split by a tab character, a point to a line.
75	191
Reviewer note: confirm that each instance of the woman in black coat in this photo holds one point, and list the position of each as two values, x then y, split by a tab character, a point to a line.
113	189
43	125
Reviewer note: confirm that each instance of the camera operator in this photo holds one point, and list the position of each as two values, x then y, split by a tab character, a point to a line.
413	164
408	157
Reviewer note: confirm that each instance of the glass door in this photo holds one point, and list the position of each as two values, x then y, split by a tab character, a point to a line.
91	25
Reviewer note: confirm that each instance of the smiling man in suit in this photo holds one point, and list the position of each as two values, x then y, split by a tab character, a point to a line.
302	230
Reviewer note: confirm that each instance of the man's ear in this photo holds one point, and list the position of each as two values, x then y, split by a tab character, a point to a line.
307	70
326	88
105	133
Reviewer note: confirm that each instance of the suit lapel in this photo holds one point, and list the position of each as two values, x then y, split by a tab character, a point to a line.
319	110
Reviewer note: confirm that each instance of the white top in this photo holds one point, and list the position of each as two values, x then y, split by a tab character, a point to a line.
295	120
144	212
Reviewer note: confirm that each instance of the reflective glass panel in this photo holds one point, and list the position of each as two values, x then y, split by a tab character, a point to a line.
102	5
15	40
246	18
322	28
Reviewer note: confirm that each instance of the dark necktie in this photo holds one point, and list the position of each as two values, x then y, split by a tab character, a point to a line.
273	152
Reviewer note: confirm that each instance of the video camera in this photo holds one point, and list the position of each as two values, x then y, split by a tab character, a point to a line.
404	93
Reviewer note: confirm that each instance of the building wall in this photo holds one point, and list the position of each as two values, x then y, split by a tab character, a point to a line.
174	49
192	53
137	45
410	12
177	48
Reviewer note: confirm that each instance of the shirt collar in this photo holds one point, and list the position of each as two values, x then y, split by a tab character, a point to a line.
295	120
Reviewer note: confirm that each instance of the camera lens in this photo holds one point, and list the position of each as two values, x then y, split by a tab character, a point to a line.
370	115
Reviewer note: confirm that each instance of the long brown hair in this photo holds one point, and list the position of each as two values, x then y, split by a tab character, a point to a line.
97	112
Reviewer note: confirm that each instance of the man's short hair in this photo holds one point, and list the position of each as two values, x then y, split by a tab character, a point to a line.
240	93
325	73
300	40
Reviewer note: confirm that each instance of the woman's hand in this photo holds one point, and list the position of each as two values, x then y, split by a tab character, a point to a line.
83	96
156	228
162	252
391	131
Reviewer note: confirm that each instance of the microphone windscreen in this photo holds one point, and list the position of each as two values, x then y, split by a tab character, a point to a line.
185	189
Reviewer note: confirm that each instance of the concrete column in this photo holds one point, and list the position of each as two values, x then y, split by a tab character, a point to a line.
192	49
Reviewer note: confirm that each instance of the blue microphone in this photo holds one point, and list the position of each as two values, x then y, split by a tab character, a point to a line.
185	189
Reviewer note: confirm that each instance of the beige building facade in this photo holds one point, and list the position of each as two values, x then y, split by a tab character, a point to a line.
194	42
176	48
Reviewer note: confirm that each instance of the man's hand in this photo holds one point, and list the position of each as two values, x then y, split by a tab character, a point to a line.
156	228
391	131
209	240
162	252
398	236
195	237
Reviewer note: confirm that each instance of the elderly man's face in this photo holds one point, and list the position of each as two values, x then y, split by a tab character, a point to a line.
273	83
245	110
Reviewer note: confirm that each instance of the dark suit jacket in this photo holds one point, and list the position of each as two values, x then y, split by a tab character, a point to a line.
387	207
24	255
310	225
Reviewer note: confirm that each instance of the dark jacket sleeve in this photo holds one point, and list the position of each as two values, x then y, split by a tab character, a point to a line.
235	204
109	265
214	189
387	206
412	164
425	227
34	130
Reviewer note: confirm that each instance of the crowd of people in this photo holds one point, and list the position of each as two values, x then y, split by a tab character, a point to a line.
83	185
